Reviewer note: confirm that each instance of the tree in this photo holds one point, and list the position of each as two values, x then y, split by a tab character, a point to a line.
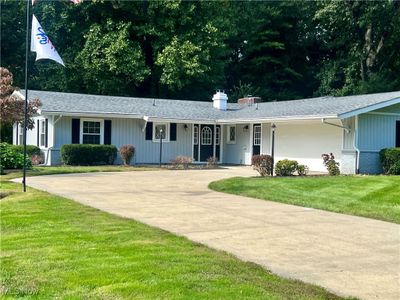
359	38
12	106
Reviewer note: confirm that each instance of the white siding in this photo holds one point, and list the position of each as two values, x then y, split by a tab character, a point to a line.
306	142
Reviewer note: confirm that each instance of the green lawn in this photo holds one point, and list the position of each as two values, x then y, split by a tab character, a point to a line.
375	197
52	247
36	171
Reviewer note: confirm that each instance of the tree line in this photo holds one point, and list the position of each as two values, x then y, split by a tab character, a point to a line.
187	49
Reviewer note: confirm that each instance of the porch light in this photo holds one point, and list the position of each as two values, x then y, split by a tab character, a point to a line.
185	127
245	128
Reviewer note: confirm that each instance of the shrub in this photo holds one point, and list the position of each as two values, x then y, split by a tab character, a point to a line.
10	158
183	161
286	167
87	154
262	164
127	152
30	149
212	161
302	170
330	163
390	160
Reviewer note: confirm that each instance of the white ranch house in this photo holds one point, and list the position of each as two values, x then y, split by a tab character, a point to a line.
354	128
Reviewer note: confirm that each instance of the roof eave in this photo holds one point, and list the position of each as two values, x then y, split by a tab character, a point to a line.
369	108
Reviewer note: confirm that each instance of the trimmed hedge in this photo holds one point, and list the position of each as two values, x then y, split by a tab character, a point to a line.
286	167
87	154
30	149
390	160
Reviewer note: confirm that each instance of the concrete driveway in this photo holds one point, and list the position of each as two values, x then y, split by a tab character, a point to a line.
348	255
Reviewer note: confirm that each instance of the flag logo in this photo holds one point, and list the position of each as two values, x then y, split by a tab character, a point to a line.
41	44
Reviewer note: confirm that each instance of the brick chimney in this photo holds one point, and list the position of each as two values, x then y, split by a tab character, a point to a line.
249	100
220	100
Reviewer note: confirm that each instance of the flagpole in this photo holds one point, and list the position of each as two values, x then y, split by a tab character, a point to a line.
26	89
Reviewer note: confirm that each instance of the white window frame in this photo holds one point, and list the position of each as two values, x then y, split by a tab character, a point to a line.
20	134
195	135
254	135
101	121
228	136
167	125
42	132
209	140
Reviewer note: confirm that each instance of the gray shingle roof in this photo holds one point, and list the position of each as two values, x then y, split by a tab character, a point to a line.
70	103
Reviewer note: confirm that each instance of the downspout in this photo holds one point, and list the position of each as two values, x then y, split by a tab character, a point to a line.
355	145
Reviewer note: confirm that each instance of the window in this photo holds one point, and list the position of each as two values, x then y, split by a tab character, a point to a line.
206	136
20	134
257	135
161	130
231	135
217	136
196	135
91	131
42	136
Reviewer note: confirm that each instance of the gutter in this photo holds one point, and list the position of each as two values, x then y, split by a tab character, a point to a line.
332	124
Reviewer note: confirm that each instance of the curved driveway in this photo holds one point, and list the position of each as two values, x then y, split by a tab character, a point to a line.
345	254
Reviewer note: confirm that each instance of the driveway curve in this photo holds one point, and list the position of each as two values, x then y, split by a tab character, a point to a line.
351	256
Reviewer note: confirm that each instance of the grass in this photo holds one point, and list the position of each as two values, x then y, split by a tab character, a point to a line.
375	197
37	171
52	247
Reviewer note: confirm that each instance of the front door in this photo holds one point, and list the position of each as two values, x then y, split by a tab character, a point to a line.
256	139
206	141
203	142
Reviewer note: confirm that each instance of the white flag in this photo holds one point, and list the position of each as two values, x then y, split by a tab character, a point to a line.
41	44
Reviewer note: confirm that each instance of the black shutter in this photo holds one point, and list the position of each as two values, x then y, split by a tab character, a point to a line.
76	123
107	132
397	133
149	131
172	136
46	137
38	133
16	136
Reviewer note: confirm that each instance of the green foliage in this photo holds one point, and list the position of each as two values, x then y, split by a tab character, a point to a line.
286	167
108	53
262	164
331	165
11	158
186	49
369	196
390	160
302	170
86	154
30	149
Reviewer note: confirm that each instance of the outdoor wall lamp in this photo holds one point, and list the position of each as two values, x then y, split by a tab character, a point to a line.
185	127
245	128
